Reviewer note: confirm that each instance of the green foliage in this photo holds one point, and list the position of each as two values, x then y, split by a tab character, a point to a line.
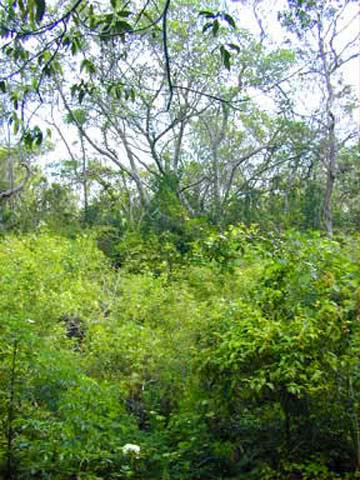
52	206
241	361
288	354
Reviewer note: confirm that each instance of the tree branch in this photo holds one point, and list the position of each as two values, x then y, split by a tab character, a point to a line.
166	52
13	191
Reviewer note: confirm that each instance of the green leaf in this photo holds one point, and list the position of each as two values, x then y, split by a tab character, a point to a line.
37	136
88	66
206	27
27	139
81	95
22	8
15	99
129	94
215	27
207	14
31	11
225	57
124	13
233	46
121	26
229	19
14	120
40	10
33	137
75	45
117	90
3	86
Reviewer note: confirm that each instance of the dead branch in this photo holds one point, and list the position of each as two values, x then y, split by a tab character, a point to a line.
13	191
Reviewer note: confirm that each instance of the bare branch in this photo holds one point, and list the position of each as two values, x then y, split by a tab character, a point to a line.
13	191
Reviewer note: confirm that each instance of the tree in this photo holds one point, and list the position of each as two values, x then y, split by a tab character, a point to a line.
319	24
146	140
12	157
55	32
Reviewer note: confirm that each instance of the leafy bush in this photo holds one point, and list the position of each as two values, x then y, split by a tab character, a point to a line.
239	361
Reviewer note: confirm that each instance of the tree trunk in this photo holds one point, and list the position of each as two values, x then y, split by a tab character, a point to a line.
84	180
215	144
330	139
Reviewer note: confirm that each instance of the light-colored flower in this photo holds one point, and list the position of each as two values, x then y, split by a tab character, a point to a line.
131	448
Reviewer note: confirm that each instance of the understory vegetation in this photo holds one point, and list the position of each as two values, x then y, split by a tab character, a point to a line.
236	359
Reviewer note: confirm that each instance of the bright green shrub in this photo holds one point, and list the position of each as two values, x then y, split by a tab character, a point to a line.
290	354
241	360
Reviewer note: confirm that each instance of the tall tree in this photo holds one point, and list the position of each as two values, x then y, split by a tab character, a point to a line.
330	46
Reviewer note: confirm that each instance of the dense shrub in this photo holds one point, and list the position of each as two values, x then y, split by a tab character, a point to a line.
238	360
